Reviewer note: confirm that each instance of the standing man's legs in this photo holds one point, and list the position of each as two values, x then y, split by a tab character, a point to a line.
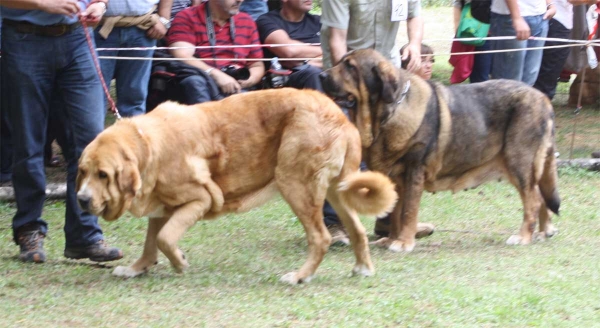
82	113
132	76
533	58
482	64
29	74
553	60
506	65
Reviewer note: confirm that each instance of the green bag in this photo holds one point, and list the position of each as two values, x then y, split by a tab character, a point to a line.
469	27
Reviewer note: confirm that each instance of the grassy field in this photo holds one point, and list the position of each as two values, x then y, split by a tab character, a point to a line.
462	276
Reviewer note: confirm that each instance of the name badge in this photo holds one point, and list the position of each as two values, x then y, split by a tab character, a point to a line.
399	10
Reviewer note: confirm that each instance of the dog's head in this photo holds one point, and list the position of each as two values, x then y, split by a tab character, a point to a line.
108	178
367	85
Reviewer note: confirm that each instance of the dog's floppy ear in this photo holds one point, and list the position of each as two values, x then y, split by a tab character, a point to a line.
129	180
387	74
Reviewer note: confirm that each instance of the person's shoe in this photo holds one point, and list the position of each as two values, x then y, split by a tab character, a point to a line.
31	244
338	234
596	154
382	228
98	252
53	161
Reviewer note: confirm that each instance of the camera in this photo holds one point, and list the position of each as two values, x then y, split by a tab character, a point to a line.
238	73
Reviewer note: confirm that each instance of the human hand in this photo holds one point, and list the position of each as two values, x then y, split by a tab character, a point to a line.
523	32
412	53
550	12
158	31
244	84
93	13
226	83
61	7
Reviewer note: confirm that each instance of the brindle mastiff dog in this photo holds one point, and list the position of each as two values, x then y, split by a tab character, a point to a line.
426	136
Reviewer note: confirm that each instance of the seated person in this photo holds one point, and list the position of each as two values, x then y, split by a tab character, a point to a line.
427	61
216	23
292	24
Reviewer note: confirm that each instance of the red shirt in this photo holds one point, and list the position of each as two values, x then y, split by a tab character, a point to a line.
189	25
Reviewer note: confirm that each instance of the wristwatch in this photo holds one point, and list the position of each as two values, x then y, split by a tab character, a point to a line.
165	22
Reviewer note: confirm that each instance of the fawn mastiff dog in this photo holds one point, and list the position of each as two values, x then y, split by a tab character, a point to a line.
180	164
426	136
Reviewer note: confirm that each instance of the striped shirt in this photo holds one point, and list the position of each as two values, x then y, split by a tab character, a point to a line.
190	26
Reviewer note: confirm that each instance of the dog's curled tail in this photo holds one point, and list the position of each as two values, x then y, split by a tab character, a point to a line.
370	193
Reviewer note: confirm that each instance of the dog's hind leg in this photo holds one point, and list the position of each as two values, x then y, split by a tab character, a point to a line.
181	220
547	229
356	232
149	255
306	200
532	203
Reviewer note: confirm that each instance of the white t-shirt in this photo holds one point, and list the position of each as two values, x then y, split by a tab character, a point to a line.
526	7
564	13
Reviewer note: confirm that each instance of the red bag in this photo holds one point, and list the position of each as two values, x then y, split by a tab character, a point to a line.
463	64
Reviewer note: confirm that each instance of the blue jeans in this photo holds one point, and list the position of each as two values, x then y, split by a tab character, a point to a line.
517	65
195	90
32	80
254	8
131	76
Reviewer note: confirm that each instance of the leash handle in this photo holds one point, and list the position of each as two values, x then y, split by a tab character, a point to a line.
113	106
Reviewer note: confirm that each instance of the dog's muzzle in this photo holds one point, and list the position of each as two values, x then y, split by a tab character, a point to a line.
329	87
84	201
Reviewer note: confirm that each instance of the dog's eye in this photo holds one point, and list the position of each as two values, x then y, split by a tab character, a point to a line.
348	64
82	172
102	175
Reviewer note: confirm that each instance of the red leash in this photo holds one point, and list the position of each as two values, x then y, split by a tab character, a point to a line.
113	106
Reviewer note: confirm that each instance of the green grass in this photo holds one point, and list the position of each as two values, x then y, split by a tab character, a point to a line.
462	276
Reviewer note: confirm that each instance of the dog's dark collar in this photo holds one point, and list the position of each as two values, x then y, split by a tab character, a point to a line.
404	92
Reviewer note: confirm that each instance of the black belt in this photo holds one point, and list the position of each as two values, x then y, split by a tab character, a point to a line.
48	30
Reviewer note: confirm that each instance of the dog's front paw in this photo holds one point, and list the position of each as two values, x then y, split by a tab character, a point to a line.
126	272
518	240
292	278
395	245
362	270
180	267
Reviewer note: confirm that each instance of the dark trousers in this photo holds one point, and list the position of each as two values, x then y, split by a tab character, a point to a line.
553	60
31	79
6	146
482	64
306	78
